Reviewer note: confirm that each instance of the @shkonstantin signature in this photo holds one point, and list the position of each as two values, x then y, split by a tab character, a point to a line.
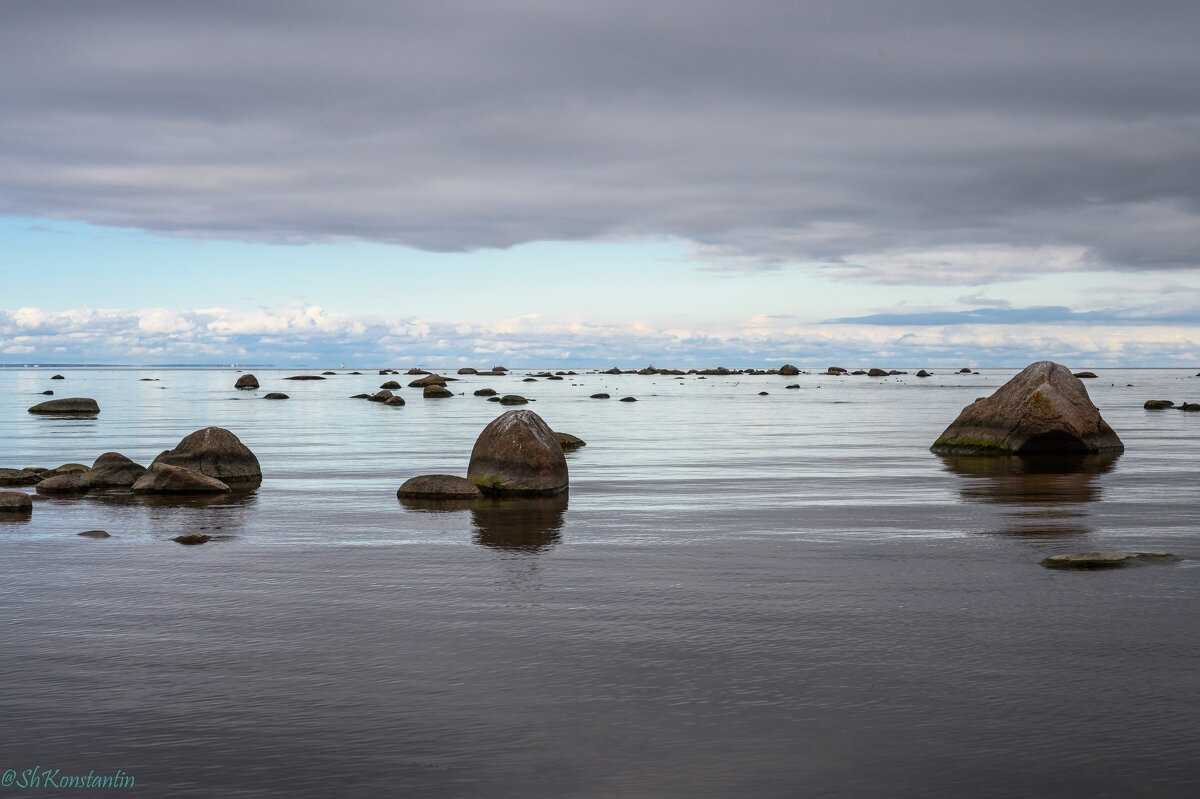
38	777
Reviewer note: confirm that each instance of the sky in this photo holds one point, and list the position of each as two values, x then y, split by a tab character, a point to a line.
546	182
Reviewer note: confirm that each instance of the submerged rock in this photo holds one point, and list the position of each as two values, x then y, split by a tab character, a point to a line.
518	454
94	534
569	442
15	502
628	399
113	470
1105	560
390	384
163	478
191	539
485	392
428	380
304	377
18	477
1043	410
217	453
246	382
1155	405
276	395
601	395
438	486
1084	374
69	405
513	399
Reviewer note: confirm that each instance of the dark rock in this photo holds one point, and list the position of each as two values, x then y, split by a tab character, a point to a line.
569	442
964	371
437	392
601	395
763	393
513	399
163	478
529	380
64	484
304	377
67	405
416	370
67	468
793	385
1043	410
438	486
113	470
246	382
1084	374
499	369
58	377
35	469
94	534
493	399
923	373
329	373
191	539
394	401
360	396
628	399
1154	405
390	384
217	453
612	371
485	392
381	396
428	380
877	373
48	393
835	370
789	370
518	454
1190	406
17	477
554	377
15	502
466	370
276	395
1106	560
859	372
896	372
356	373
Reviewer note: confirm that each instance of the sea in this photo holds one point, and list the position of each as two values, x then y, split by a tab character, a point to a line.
756	586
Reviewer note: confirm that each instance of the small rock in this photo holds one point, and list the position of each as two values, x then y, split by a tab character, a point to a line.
877	373
513	399
15	502
437	392
569	442
762	393
485	392
191	539
493	399
48	393
1105	560
394	401
1084	374
304	377
276	395
58	377
437	486
1190	406
360	396
793	385
601	395
467	370
428	380
64	484
923	373
162	478
246	382
964	371
17	477
1154	405
789	370
529	380
381	396
68	405
94	534
628	399
329	373
390	384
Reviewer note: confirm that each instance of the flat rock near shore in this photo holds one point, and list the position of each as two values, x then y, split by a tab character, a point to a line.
67	405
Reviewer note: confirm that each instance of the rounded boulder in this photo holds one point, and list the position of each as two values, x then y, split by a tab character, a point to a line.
438	486
518	454
217	453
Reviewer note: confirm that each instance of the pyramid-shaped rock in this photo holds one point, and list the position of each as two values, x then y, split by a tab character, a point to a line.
1043	410
518	454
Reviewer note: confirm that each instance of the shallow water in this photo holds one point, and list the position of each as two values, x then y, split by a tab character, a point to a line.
781	595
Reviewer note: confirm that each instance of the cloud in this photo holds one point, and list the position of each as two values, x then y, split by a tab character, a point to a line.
894	143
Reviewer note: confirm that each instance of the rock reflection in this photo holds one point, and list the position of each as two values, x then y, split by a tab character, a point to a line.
522	525
438	505
1042	495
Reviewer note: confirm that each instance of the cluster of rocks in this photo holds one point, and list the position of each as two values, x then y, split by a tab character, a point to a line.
516	455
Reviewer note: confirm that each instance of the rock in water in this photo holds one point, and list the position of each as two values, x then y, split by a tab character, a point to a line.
64	484
162	478
788	369
1158	405
569	442
1105	560
518	454
1043	410
246	382
438	486
877	373
81	405
433	391
513	399
429	380
485	392
15	502
113	470
191	539
276	395
215	452
17	477
923	373
94	534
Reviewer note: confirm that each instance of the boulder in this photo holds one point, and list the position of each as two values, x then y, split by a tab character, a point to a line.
493	398
896	372
329	373
381	396
67	468
518	454
763	393
485	392
64	484
1084	374
416	370
1105	560
428	380
499	368
793	385
163	478
513	399
276	395
191	539
835	370
789	370
1156	405
1190	406
15	502
437	486
394	401
437	392
17	477
360	396
58	377
628	399
246	382
390	384
529	380
48	393
69	405
467	370
217	453
923	373
964	371
1043	410
877	373
113	470
601	395
569	442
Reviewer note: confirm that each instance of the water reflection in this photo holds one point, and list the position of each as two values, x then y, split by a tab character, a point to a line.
437	505
1041	495
522	525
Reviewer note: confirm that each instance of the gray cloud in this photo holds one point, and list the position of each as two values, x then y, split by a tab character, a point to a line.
892	141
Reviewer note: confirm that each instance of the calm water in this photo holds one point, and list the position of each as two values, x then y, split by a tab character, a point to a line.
743	595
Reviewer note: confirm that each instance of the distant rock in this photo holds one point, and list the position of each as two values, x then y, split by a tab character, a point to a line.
360	396
896	372
518	454
789	370
529	380
793	385
67	468
569	442
1106	560
48	393
964	371
381	396
513	399
416	370
94	534
246	382
877	373
859	372
64	484
1190	406
1154	405
467	370
17	477
113	470
67	405
428	380
485	392
438	486
58	377
394	401
390	384
1084	374
763	393
493	399
1043	410
835	370
628	399
162	478
329	373
217	453
15	502
601	395
304	377
276	395
192	539
499	369
923	373
437	392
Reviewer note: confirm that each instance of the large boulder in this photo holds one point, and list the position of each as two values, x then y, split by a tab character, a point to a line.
217	453
113	470
246	382
518	454
438	486
788	369
68	405
163	478
15	502
1043	410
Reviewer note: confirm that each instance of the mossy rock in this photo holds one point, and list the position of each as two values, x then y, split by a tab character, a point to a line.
1155	405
